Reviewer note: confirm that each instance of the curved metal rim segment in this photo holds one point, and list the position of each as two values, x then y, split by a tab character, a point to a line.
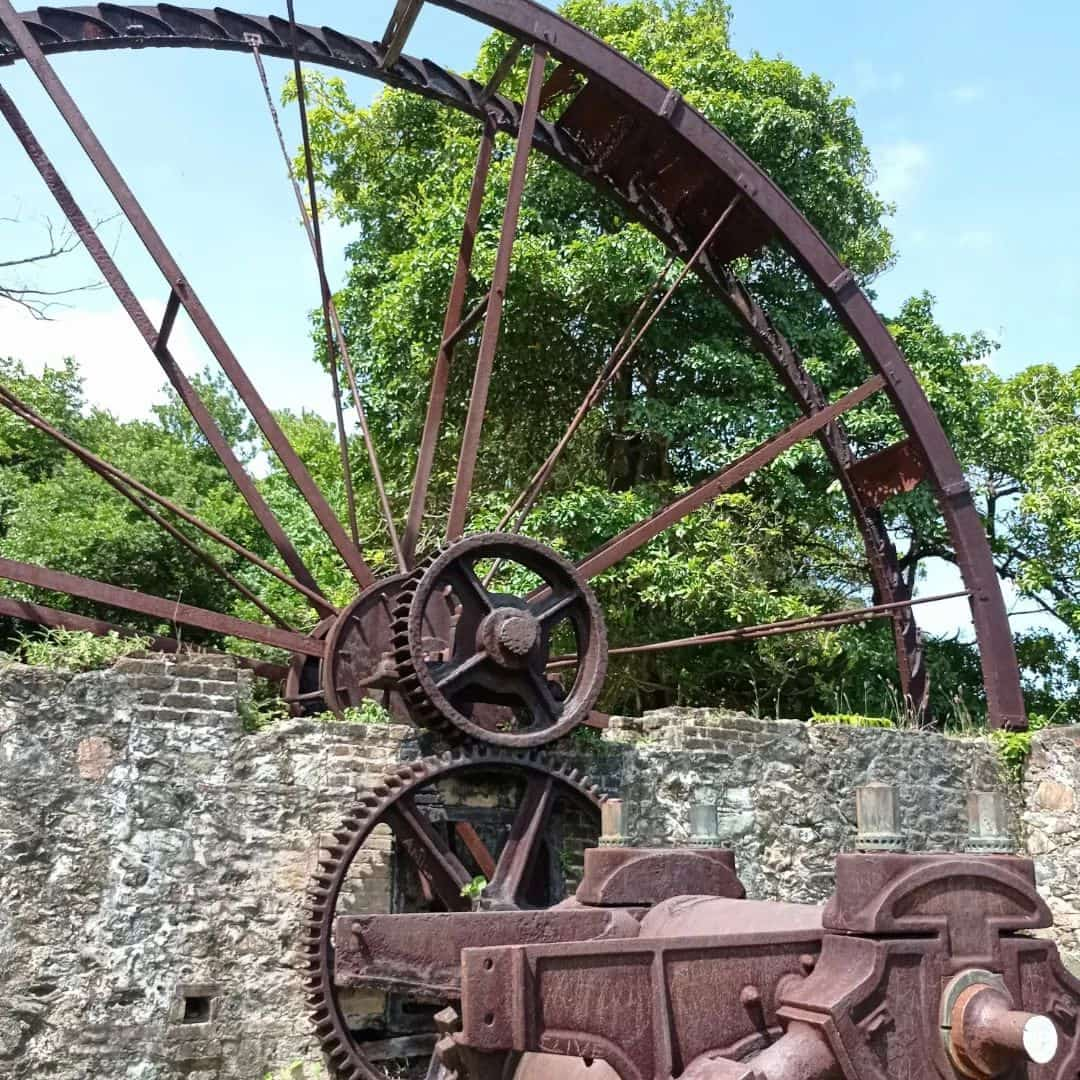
109	26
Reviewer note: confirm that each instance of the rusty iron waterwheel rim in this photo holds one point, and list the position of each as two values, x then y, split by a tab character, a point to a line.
690	186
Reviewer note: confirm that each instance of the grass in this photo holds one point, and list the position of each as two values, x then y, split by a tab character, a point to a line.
76	650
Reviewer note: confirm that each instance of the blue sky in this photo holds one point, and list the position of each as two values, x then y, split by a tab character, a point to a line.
969	109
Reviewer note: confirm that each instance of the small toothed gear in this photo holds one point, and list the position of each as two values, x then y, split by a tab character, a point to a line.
492	683
345	1056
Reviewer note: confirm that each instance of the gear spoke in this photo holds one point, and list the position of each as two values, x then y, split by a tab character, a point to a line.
342	953
518	856
545	609
536	692
501	644
459	676
462	574
429	852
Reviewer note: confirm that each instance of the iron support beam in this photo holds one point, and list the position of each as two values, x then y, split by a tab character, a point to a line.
629	540
157	607
55	619
169	268
489	343
452	323
398	29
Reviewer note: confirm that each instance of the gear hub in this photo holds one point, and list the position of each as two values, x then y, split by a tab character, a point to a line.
513	604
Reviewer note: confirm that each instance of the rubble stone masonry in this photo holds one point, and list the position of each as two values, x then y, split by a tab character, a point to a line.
153	853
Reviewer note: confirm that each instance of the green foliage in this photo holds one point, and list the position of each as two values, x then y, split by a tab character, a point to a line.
587	738
1014	747
695	396
367	712
262	709
852	720
474	889
76	650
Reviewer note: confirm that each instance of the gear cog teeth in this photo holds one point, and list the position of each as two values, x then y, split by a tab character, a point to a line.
346	1058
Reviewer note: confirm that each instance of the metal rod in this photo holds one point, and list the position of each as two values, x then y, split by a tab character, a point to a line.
774	629
470	442
466	324
502	69
315	236
630	539
339	334
44	615
199	316
172	309
203	556
180	382
615	365
880	550
440	376
527	499
398	30
101	466
158	607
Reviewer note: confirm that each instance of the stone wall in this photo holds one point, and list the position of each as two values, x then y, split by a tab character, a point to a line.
1051	828
153	853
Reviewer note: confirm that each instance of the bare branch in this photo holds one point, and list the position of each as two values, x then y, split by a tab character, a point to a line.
29	295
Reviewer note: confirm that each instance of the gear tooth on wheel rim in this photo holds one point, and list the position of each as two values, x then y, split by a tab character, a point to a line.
344	1056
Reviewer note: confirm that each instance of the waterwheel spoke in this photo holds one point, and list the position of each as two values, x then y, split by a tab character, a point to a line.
634	537
106	470
451	333
489	342
519	853
55	619
334	334
182	538
181	384
797	625
429	852
158	607
615	362
198	314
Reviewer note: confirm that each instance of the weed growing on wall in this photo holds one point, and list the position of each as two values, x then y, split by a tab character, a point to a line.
852	720
1014	747
76	650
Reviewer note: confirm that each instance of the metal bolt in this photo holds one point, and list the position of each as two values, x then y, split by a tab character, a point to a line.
988	823
878	818
703	826
611	823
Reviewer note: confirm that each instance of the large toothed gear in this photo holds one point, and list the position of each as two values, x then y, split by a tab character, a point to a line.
393	803
499	680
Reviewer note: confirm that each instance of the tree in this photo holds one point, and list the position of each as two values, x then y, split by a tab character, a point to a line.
694	397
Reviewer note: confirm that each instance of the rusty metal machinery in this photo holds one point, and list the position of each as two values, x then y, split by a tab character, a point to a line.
658	967
597	114
463	924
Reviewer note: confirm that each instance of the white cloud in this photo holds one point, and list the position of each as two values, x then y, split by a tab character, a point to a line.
900	168
118	369
870	80
966	93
